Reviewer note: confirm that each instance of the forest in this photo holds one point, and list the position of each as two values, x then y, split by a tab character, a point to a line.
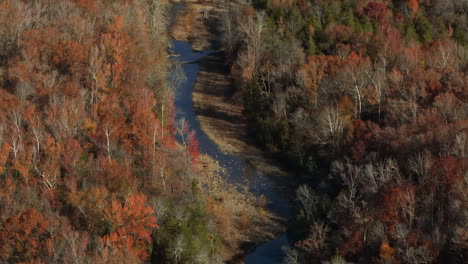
94	167
368	101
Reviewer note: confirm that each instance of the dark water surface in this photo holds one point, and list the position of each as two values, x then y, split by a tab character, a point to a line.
236	167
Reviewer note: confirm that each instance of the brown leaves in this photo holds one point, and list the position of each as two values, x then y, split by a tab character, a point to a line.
354	244
24	237
398	204
377	11
386	252
451	170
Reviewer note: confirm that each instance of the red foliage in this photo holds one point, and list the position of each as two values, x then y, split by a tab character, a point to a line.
363	137
193	146
24	237
4	153
353	245
451	170
391	41
433	87
377	11
392	203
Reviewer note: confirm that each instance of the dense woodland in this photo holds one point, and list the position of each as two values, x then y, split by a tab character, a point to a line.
368	99
90	168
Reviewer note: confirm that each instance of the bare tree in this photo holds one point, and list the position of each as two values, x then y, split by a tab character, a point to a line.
317	239
184	137
157	18
252	29
351	176
330	127
23	91
177	249
377	233
96	73
420	165
407	201
308	199
318	10
461	145
175	80
49	172
378	80
417	255
15	118
280	105
292	256
357	81
229	36
77	244
377	175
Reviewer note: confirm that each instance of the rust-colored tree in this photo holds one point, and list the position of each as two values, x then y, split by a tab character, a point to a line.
24	237
133	224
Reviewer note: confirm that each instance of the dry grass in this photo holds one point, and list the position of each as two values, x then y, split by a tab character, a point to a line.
239	215
189	25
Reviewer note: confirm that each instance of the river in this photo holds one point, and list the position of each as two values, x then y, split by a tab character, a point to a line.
271	252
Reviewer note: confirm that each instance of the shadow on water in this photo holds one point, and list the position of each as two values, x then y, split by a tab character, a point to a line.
185	109
238	170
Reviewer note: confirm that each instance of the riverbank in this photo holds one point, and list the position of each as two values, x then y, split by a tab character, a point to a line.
220	117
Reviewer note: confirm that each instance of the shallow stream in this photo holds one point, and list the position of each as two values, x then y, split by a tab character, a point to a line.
237	169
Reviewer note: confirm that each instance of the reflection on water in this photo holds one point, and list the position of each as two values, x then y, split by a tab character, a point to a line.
238	170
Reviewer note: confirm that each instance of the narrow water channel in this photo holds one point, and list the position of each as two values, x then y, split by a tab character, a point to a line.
236	167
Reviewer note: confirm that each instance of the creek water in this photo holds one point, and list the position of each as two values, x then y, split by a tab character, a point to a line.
237	169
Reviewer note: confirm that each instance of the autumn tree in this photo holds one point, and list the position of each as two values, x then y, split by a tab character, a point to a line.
24	237
132	225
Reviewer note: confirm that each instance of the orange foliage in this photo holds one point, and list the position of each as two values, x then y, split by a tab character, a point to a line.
386	252
116	176
78	124
413	6
134	223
